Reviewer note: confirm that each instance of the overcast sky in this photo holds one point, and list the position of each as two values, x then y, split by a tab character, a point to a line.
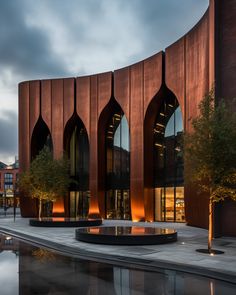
59	38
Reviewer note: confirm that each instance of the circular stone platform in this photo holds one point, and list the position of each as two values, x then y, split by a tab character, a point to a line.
64	222
126	235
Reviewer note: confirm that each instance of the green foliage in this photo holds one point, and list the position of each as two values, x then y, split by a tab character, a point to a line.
210	149
47	179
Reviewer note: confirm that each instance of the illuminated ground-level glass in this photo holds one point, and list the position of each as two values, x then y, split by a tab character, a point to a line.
117	167
79	204
169	204
118	204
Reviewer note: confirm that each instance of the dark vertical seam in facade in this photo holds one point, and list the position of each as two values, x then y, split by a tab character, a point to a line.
40	104
112	86
63	103
29	139
208	49
130	142
185	77
217	44
51	119
75	96
97	97
163	76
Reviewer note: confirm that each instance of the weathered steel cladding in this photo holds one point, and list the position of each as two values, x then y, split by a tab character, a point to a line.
188	69
187	75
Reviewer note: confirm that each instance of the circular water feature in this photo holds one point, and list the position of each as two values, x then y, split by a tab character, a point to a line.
126	235
64	222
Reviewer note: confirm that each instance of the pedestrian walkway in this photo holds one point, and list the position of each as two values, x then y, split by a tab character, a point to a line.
178	256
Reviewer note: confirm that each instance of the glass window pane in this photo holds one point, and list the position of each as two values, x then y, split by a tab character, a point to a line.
158	204
117	167
169	191
179	203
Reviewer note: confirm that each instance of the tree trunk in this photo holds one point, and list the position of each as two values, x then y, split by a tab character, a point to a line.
40	208
210	227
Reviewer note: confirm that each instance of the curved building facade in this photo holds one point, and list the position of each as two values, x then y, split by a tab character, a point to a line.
122	130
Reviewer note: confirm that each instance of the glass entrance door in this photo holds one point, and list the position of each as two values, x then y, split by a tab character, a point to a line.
118	204
169	204
79	204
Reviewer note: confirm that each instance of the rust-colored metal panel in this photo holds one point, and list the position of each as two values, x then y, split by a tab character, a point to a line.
152	81
197	85
68	99
225	39
57	117
34	104
225	71
228	218
24	133
93	171
212	19
197	67
46	103
175	72
122	90
83	101
152	78
136	142
104	90
28	206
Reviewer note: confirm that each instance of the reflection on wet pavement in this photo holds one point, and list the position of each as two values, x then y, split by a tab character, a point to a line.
26	269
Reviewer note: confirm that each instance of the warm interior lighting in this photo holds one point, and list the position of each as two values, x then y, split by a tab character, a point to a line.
161	125
158	144
162	114
170	105
8	238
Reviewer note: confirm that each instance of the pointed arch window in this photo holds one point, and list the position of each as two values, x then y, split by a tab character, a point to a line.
76	145
117	167
168	162
41	137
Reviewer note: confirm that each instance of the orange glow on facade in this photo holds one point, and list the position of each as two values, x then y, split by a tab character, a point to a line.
58	206
137	213
94	210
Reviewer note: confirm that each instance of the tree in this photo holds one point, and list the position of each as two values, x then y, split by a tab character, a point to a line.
210	153
47	179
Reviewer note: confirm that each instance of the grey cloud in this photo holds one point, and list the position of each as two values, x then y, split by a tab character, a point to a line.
165	21
25	50
8	134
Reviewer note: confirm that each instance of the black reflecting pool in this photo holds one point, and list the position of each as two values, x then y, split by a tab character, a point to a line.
26	269
126	235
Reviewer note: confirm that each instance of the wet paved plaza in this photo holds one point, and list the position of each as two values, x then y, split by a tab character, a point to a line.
180	255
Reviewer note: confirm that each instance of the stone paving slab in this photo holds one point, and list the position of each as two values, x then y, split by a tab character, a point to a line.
180	255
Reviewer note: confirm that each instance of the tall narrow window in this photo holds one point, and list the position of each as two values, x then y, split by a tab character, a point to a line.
117	167
168	163
77	150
